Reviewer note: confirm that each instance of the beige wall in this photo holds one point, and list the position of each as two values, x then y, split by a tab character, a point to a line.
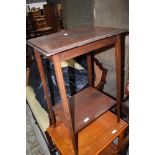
112	13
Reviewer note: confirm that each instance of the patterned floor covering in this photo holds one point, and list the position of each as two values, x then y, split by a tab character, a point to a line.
35	144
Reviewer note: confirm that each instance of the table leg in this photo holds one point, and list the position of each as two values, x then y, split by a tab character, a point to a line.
90	68
120	140
45	88
118	74
64	100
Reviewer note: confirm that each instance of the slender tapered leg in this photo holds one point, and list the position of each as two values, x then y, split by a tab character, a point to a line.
120	139
45	88
90	69
64	100
118	74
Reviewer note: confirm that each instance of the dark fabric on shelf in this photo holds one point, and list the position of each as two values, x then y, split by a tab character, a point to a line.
75	81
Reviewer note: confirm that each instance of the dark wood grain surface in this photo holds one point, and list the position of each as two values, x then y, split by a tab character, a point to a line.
85	107
68	39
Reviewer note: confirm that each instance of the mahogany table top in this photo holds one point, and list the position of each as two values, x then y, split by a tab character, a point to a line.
61	41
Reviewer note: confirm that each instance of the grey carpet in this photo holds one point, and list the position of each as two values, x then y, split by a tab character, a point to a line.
35	143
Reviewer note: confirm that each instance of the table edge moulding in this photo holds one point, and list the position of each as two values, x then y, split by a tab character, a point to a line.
68	44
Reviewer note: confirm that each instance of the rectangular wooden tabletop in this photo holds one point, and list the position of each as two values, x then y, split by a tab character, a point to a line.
92	139
61	41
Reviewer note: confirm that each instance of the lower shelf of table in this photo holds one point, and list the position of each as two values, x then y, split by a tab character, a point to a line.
93	139
85	107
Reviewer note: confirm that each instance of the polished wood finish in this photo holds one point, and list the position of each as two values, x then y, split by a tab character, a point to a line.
62	90
99	69
69	44
121	138
89	103
51	16
44	30
118	66
41	23
99	80
65	40
71	53
111	149
90	69
45	88
27	76
93	139
124	146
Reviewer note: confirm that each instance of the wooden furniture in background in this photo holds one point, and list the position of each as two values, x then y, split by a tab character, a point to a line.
69	44
95	139
51	16
39	22
100	80
42	27
36	13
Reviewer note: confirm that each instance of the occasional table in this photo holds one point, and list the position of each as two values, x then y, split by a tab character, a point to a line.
86	106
